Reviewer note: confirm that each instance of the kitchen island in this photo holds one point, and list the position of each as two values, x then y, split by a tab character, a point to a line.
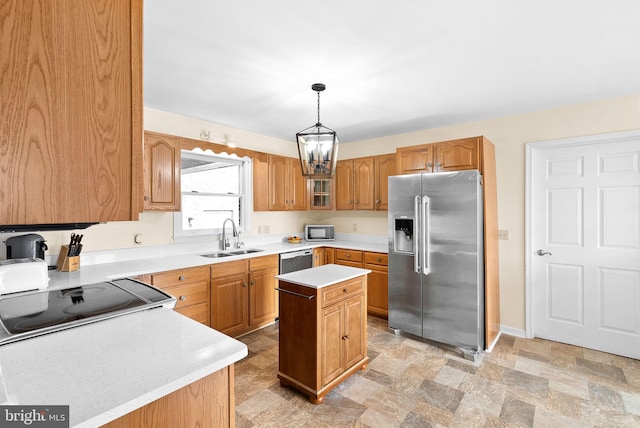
111	368
323	328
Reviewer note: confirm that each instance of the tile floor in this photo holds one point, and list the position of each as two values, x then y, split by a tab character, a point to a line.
522	383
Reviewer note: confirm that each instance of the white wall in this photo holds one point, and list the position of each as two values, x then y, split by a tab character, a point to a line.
509	134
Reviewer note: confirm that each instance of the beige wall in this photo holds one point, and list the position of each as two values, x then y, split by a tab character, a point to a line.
509	134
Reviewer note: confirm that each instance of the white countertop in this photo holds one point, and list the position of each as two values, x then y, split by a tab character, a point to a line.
107	369
110	368
138	261
323	276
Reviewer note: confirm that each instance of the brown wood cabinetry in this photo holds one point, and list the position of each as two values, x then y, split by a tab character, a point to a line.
71	129
454	155
321	194
329	256
334	343
191	287
287	186
377	284
348	257
243	296
355	184
208	402
230	297
161	172
361	183
318	257
385	166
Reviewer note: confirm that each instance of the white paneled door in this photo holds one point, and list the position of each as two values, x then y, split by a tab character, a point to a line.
585	242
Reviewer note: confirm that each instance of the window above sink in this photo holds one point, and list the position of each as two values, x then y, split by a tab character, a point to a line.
213	187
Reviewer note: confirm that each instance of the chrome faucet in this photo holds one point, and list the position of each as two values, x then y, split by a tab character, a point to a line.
224	243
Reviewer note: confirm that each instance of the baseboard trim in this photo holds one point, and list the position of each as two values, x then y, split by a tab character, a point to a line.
517	332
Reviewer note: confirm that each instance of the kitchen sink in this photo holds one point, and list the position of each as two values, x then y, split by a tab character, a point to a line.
232	253
216	255
246	251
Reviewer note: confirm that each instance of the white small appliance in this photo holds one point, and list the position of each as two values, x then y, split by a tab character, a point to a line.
23	274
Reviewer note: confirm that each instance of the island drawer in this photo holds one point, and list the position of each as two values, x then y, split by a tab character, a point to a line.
180	276
336	293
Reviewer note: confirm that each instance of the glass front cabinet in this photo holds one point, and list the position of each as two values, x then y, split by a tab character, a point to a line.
321	192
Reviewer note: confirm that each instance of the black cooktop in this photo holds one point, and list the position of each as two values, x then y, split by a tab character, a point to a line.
29	314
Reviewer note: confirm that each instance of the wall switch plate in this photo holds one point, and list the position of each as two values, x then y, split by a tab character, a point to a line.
355	227
265	229
503	235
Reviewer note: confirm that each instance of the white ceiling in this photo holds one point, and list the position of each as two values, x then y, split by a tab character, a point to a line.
389	66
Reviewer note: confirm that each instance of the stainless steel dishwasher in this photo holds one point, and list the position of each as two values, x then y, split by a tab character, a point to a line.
296	260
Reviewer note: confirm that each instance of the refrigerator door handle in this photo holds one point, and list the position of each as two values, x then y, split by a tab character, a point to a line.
416	219
424	230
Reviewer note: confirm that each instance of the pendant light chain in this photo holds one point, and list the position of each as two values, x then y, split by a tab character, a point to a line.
318	107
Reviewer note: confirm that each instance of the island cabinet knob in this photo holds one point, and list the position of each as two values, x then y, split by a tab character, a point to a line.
345	337
344	290
181	277
182	298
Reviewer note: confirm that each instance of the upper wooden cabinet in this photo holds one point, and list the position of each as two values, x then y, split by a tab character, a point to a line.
453	155
161	172
286	188
361	183
71	129
355	184
385	166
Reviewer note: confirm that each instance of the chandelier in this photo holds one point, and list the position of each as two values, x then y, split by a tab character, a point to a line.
318	146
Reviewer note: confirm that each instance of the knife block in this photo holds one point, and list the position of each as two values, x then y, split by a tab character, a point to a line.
66	263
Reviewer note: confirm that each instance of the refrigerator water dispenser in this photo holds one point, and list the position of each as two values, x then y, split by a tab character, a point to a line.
403	238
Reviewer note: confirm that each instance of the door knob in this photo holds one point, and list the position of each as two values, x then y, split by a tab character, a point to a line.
542	253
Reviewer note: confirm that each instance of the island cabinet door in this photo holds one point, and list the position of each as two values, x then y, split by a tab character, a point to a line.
331	343
354	336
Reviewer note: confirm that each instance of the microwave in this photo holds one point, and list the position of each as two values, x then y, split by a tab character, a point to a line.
319	232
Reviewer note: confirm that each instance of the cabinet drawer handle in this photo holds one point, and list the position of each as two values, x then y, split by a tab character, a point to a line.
181	277
379	260
345	337
182	298
348	256
344	290
295	294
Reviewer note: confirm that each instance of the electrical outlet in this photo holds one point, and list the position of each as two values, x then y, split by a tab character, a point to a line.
259	230
503	235
265	229
355	227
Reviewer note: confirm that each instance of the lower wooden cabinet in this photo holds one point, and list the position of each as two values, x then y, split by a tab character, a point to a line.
190	286
333	344
378	283
319	256
208	402
243	296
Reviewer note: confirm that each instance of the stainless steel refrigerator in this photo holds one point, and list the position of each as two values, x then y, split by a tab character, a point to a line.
436	262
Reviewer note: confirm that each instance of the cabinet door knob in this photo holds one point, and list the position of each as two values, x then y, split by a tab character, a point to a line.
356	202
253	282
181	277
344	290
182	298
244	284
